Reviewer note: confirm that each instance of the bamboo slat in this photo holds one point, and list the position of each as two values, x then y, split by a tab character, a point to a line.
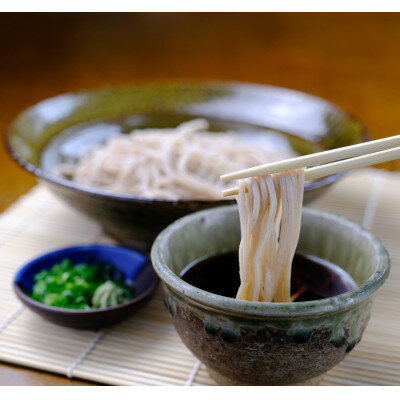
145	349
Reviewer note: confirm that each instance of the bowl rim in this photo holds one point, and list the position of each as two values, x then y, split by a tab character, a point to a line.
255	309
212	84
71	311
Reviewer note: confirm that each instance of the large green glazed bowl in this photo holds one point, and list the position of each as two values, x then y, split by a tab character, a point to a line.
38	133
259	343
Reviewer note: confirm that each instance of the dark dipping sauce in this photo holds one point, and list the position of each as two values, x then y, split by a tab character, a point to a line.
312	278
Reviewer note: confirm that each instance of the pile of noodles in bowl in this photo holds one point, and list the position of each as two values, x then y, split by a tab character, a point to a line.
181	163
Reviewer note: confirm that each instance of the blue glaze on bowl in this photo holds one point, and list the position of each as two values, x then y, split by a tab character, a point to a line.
128	262
134	266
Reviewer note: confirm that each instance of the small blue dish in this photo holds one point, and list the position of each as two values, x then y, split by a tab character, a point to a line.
134	266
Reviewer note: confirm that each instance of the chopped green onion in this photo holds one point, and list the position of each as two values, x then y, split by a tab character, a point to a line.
81	286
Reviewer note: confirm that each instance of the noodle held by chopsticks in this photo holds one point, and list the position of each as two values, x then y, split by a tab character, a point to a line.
270	217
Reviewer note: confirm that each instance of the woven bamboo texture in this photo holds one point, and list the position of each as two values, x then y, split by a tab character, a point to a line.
145	350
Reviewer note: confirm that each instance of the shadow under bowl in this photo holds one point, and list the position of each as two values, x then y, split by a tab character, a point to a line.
259	343
135	267
61	127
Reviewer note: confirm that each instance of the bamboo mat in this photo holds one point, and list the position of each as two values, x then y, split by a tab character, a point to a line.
145	350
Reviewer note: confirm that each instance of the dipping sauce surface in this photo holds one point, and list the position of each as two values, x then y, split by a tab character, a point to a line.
312	278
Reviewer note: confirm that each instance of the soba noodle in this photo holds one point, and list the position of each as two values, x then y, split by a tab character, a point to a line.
175	163
270	217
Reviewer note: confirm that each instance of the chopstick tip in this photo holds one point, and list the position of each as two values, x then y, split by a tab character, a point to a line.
225	178
230	192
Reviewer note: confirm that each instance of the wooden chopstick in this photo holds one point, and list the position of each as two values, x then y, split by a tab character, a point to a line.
352	163
341	166
316	158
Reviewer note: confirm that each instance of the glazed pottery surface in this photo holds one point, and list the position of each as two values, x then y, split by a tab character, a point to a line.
50	131
256	343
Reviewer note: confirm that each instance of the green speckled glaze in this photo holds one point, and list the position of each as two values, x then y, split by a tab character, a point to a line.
269	343
312	123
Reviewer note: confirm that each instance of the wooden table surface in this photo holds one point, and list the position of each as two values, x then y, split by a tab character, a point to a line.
350	59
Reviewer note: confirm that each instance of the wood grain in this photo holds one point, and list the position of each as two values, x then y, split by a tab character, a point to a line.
351	59
16	376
